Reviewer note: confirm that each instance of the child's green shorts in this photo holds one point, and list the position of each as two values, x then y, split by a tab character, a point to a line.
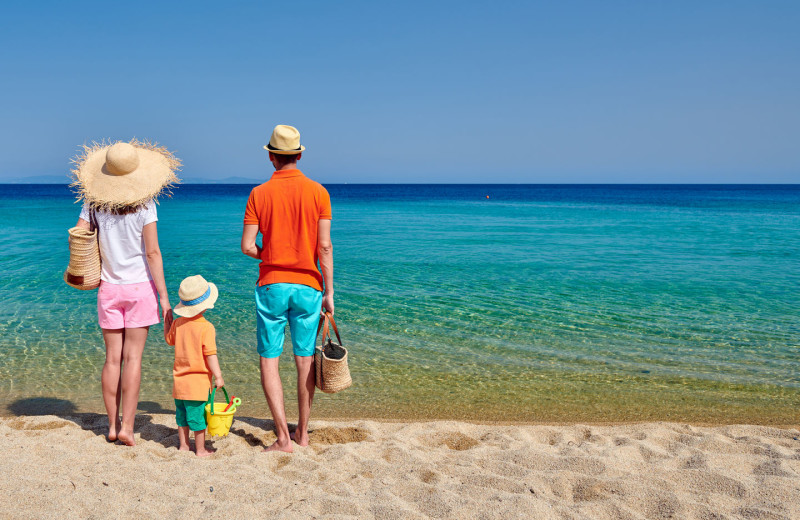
191	414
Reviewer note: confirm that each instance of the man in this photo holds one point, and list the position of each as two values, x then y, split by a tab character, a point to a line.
293	215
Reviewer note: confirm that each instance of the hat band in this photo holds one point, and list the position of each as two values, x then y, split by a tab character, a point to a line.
270	147
199	299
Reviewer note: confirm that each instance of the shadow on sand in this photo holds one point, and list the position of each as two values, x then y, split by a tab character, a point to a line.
143	425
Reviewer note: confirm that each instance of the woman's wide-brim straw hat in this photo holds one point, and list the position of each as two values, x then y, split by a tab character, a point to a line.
285	140
196	295
118	175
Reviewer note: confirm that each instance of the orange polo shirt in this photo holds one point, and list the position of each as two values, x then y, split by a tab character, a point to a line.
194	339
287	209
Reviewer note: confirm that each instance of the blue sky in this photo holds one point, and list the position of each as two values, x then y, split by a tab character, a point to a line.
567	91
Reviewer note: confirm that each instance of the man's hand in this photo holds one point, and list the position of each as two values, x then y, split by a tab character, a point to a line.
327	303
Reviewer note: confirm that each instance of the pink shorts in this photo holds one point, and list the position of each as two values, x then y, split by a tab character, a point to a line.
127	306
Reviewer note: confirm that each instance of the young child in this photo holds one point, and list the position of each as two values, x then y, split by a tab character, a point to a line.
195	360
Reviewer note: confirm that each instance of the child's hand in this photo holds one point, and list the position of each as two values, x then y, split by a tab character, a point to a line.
219	382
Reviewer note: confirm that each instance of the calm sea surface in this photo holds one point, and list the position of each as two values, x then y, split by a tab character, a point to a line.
507	303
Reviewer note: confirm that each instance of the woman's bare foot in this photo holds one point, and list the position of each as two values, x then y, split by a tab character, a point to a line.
300	439
126	437
276	446
112	430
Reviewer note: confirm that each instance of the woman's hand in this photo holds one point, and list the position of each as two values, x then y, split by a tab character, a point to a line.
166	308
168	319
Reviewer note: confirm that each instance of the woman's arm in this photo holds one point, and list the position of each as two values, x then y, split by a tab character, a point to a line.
156	264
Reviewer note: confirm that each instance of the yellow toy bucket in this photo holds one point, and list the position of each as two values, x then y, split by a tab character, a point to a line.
219	416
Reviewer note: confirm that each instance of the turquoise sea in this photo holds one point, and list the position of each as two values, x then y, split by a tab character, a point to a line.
528	303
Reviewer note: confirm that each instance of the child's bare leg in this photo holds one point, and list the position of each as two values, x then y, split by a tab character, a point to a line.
132	349
200	444
183	438
110	379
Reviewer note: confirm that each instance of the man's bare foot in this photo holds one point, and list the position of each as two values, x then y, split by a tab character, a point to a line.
301	440
276	446
205	452
127	438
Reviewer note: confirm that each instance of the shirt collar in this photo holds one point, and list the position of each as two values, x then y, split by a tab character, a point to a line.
286	174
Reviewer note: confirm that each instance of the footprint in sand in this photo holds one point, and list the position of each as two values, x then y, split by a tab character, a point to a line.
330	435
455	441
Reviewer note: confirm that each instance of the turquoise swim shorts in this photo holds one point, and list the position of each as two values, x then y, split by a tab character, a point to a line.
191	414
278	303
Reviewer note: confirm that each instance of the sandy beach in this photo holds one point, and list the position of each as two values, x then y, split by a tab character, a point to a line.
62	467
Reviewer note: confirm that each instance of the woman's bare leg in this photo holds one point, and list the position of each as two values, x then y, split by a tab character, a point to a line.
132	349
110	378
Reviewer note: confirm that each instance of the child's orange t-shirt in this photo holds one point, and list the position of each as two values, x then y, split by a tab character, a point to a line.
287	209
194	339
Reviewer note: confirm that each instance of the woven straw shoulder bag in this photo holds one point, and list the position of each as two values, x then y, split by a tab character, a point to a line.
83	271
330	359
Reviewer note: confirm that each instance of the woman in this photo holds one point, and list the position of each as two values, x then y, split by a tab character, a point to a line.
119	184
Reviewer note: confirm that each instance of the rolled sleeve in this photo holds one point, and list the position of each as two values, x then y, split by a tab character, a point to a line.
250	216
210	341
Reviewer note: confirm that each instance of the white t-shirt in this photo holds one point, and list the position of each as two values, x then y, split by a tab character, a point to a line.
122	245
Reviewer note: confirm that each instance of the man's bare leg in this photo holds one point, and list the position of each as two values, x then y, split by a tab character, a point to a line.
305	395
273	391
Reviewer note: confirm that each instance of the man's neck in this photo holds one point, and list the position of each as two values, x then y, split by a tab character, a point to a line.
290	166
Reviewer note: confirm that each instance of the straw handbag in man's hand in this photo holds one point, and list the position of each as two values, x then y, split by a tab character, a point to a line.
330	359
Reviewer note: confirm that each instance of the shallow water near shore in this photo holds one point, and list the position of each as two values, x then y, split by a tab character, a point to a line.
537	304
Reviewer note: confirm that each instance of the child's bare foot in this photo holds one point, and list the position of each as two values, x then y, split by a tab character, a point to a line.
300	438
126	437
277	446
185	447
205	452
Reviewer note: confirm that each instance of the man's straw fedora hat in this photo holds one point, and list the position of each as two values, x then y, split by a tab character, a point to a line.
196	295
285	140
114	175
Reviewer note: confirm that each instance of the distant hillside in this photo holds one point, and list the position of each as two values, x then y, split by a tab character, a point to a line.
226	180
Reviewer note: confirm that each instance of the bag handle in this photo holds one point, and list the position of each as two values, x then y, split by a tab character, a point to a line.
213	393
93	221
323	322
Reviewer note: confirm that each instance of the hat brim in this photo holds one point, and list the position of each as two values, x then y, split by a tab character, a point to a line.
105	191
285	152
190	311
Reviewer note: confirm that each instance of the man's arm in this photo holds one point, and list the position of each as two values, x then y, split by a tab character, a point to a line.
325	253
249	246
